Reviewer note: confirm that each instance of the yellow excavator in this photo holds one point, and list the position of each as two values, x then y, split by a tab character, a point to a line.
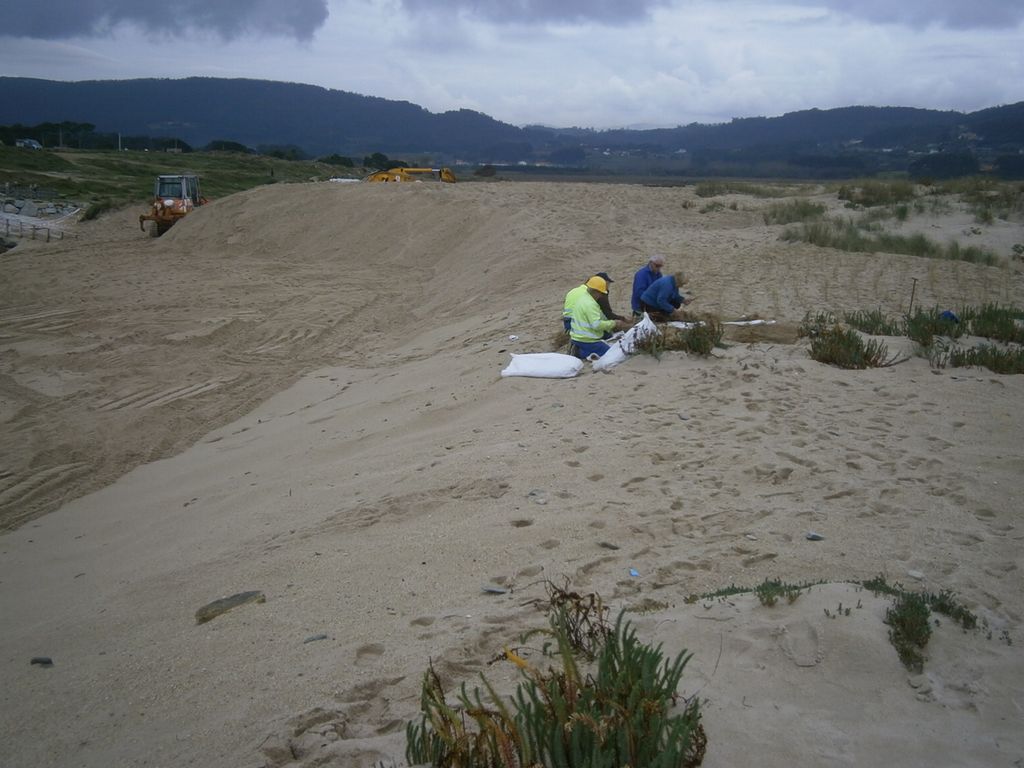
413	174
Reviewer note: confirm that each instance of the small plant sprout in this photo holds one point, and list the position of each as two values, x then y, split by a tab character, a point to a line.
769	592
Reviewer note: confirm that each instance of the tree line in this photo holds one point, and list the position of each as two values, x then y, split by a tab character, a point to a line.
952	161
69	134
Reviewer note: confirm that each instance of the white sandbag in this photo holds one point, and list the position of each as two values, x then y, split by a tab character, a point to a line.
544	365
643	330
611	358
627	345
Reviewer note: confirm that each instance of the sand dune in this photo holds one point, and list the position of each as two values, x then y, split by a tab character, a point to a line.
296	390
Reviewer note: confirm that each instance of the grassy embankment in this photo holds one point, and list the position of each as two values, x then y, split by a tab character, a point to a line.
872	202
110	179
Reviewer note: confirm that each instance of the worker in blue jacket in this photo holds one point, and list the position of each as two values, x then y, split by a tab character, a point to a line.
662	297
643	278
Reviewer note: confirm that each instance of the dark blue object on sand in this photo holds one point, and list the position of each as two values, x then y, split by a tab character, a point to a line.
948	315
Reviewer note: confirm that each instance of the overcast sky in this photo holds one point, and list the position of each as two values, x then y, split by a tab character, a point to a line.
589	63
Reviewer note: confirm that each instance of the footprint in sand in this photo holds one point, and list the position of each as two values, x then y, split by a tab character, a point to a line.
625	589
584	571
530	572
369	653
801	644
966	540
749	561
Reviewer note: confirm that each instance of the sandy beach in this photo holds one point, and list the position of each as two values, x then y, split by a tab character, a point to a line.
297	390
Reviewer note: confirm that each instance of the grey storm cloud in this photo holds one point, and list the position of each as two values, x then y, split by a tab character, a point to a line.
952	14
539	11
55	19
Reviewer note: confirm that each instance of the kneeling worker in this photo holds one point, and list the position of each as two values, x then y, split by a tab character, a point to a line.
663	297
602	301
588	325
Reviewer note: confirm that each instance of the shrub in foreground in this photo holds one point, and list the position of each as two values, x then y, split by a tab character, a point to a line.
619	715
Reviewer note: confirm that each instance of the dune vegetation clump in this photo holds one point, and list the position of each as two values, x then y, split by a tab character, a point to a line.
713	207
996	322
909	618
844	348
874	192
815	323
704	335
909	628
715	188
793	210
987	356
924	325
847	235
935	330
625	711
874	323
95	209
770	590
875	201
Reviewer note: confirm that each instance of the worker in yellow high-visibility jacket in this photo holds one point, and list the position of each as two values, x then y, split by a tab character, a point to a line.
588	326
570	303
602	301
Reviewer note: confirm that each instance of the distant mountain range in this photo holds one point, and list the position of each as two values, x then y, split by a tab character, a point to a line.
320	121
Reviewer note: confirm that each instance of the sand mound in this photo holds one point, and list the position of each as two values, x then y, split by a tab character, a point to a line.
123	350
296	391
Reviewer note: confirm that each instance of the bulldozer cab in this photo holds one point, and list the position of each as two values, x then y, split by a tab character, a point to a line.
178	187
